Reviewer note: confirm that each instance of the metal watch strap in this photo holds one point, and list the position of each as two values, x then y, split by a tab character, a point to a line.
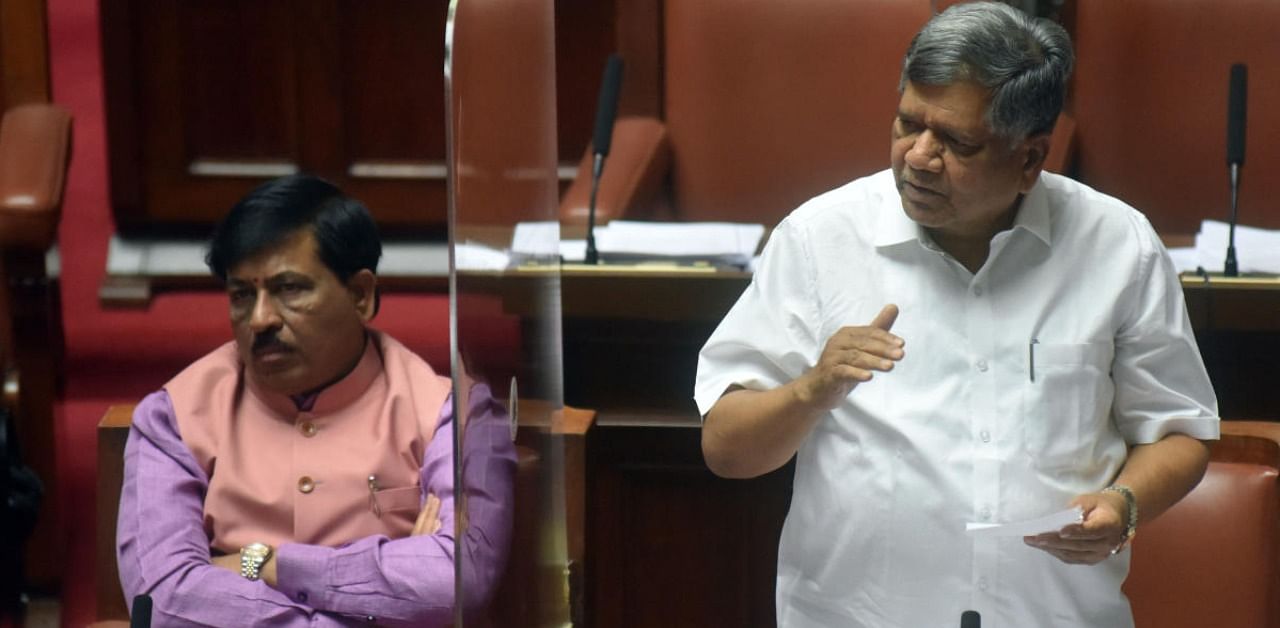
1131	504
252	557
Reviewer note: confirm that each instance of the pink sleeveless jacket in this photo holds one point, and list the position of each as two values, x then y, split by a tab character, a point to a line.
278	474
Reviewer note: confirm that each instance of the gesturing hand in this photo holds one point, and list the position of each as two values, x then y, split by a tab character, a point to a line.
849	358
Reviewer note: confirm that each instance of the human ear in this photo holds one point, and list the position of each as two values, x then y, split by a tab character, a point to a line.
363	287
1035	151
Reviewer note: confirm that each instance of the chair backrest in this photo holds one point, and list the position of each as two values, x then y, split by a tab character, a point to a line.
1214	558
770	103
1150	98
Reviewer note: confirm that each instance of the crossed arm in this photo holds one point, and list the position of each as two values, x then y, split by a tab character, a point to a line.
162	548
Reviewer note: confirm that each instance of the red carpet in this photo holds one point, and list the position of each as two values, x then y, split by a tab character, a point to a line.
117	356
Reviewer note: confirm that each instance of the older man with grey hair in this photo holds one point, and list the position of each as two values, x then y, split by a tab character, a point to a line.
962	338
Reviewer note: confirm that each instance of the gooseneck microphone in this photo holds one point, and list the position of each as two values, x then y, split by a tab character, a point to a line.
606	111
1236	106
970	619
140	614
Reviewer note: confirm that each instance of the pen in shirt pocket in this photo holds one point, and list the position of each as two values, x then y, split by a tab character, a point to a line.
1031	358
373	496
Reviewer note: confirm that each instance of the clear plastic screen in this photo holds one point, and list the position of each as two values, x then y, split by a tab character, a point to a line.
511	561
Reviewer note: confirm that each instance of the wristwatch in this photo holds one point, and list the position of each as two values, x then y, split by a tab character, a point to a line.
1131	505
252	557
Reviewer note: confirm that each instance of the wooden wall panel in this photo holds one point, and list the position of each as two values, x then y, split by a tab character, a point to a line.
237	67
585	36
390	137
351	90
391	79
24	75
208	98
670	545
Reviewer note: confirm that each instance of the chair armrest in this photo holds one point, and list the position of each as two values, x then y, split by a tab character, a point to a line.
1254	442
1062	146
633	173
35	144
113	432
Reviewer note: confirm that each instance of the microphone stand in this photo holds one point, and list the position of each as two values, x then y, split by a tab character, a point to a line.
1231	269
597	168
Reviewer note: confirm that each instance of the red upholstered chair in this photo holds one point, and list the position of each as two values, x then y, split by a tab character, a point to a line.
35	140
1150	101
765	104
1214	558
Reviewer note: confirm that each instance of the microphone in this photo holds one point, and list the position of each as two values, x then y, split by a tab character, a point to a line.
606	111
970	619
1236	105
140	615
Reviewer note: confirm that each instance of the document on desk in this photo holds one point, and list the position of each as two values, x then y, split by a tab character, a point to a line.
1258	250
1030	527
717	242
630	241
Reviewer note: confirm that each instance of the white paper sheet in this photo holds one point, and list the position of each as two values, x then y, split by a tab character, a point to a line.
1030	527
1257	250
707	240
1186	259
473	256
536	239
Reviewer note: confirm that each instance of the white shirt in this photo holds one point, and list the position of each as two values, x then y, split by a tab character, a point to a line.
958	431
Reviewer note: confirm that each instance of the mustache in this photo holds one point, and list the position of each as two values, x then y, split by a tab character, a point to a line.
267	341
918	184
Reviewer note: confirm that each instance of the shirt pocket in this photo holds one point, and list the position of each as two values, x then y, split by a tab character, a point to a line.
1066	403
403	499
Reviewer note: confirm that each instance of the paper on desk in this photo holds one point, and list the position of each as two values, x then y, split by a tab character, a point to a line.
732	242
722	242
473	256
1031	527
573	251
1186	259
1257	250
536	239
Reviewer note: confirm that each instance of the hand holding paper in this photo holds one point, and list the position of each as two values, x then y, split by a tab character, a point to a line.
1030	527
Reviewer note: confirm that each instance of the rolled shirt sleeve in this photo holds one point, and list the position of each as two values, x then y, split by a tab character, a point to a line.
769	336
1161	383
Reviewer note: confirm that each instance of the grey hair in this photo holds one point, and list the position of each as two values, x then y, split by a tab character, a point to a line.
1024	61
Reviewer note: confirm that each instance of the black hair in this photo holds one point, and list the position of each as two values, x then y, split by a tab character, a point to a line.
345	233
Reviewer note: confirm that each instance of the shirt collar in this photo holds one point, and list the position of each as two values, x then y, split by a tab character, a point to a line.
893	227
332	397
1033	215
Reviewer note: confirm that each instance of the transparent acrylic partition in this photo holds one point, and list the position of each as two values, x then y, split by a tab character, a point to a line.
511	561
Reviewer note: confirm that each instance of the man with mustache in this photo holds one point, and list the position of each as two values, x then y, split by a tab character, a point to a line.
962	338
303	474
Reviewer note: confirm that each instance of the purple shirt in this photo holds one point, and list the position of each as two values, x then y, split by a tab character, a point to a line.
406	581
